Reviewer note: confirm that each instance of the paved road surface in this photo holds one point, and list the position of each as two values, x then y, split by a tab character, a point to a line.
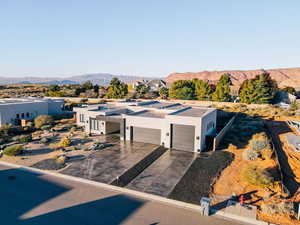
29	198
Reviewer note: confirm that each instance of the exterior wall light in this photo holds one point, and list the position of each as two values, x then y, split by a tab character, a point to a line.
197	138
127	128
167	134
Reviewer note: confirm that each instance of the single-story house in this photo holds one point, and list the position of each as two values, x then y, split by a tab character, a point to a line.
168	124
13	110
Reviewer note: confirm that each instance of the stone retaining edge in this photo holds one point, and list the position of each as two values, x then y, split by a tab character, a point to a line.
145	196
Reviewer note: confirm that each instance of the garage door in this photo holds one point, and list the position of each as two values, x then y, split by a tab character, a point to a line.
182	137
146	135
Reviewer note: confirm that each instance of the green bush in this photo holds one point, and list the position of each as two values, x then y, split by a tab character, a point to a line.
13	150
250	155
258	177
25	138
65	142
259	142
42	120
46	127
44	140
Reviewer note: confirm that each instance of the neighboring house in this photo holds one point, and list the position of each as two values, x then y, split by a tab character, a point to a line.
154	85
138	82
13	110
286	97
171	125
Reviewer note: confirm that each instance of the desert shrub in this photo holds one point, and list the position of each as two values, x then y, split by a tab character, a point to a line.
46	127
60	160
13	150
259	142
42	120
250	155
258	177
267	153
25	138
286	208
44	140
232	147
5	129
73	129
55	145
65	142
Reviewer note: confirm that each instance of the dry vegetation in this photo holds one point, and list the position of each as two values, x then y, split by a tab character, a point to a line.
254	168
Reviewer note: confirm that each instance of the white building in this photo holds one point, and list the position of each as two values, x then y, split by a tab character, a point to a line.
168	124
13	110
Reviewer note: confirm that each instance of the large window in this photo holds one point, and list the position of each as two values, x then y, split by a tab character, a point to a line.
94	124
81	118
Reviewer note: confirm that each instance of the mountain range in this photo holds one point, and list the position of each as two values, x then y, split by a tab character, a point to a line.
284	77
97	78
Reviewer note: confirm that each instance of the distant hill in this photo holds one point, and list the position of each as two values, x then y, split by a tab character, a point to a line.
98	78
284	77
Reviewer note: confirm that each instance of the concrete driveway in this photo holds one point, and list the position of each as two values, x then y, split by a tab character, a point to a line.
30	198
110	164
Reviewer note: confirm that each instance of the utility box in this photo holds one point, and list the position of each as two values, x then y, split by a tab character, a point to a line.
205	206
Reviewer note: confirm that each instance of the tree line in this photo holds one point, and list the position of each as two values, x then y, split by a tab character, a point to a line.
262	89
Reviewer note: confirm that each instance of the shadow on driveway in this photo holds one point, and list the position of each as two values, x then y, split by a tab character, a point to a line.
22	191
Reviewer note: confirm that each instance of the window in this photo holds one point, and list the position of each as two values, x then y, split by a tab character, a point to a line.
18	116
23	115
27	115
81	118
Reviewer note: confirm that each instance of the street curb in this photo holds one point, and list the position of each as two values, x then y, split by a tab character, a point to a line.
145	196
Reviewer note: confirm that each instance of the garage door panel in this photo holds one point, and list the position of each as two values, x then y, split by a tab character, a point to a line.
146	135
183	137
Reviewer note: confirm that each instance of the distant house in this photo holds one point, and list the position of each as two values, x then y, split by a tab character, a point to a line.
13	110
285	97
154	85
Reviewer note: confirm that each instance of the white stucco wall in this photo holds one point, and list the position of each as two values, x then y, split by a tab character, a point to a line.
9	111
208	117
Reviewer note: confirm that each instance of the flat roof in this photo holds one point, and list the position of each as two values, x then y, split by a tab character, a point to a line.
21	100
5	101
161	105
193	112
150	113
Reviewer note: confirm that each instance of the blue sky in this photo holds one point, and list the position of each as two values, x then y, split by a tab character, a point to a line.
146	37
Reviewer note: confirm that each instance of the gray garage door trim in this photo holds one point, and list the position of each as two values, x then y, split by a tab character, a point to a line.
146	135
182	137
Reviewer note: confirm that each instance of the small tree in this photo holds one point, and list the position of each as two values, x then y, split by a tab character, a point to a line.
141	90
42	120
260	90
203	90
87	85
182	89
117	89
222	92
164	92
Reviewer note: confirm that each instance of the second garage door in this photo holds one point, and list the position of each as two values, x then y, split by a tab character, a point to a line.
182	137
146	135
